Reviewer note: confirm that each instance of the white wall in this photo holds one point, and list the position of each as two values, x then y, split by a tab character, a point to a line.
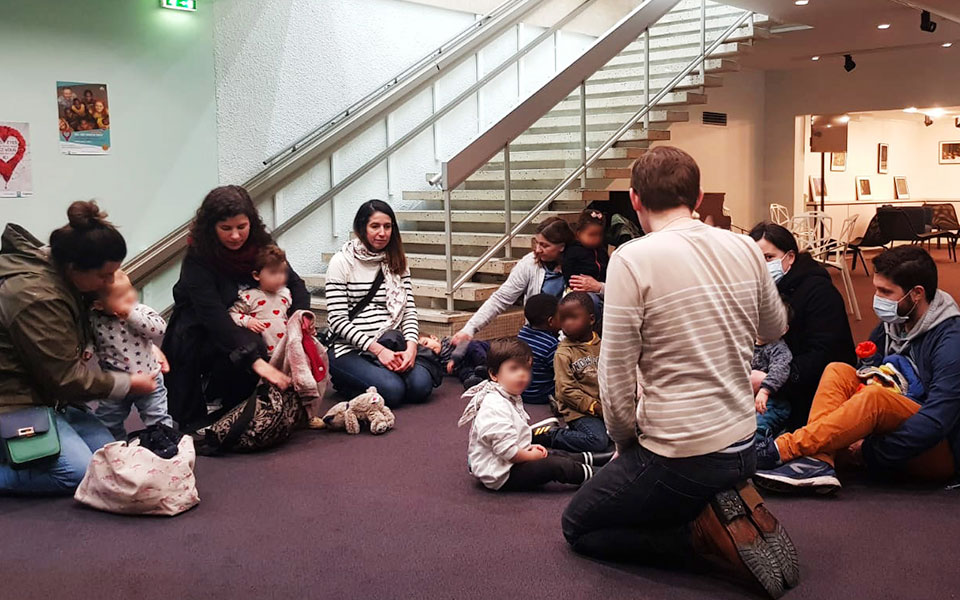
731	157
158	67
288	66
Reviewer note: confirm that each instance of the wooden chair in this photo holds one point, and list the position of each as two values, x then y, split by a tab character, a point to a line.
779	215
833	253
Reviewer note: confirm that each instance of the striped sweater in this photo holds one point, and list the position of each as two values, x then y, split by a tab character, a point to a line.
544	346
683	307
345	287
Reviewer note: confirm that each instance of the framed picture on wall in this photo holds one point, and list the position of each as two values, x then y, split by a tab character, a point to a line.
950	153
900	189
882	150
838	161
816	185
863	188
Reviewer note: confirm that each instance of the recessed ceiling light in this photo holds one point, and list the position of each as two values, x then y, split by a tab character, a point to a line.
814	58
801	2
912	109
845	119
936	113
947	44
829	125
883	26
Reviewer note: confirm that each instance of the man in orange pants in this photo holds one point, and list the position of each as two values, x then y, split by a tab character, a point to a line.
917	434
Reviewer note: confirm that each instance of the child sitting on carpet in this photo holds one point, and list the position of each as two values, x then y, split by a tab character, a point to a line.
540	333
771	369
264	309
499	451
127	334
577	398
468	362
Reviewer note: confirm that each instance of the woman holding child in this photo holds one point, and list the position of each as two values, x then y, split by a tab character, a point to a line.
212	358
44	332
819	332
537	272
370	309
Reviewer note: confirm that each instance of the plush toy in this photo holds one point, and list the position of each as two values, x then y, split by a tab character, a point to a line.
368	406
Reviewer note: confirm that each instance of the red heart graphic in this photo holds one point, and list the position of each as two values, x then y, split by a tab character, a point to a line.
269	348
267	324
284	300
261	302
280	335
247	296
7	166
276	312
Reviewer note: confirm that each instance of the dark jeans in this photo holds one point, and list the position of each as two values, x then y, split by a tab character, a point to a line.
772	422
586	434
639	506
353	373
476	356
557	466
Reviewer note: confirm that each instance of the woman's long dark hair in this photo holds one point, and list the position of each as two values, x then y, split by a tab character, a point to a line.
396	259
220	204
555	230
88	240
777	235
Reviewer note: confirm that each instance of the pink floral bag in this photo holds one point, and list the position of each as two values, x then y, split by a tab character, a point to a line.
125	478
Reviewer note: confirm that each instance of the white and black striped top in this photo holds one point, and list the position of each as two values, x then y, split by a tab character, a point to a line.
345	287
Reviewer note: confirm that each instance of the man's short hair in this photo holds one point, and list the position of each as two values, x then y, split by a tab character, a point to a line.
666	177
506	349
908	267
583	299
269	256
538	309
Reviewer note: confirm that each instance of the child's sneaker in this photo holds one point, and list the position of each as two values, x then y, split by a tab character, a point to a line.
544	431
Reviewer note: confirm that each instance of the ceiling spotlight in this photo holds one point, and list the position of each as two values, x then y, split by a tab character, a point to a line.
802	2
927	23
814	58
883	26
947	44
927	120
845	119
936	113
848	63
911	109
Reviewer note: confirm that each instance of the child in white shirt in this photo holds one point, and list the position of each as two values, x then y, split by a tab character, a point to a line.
264	309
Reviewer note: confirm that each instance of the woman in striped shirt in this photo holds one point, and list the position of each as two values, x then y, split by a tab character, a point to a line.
358	359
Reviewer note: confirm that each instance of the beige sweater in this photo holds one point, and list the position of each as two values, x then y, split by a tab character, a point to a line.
685	305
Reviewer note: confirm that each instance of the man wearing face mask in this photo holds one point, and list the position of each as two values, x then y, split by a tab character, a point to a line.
916	436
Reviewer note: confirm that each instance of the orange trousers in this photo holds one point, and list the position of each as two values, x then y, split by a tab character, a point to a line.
841	415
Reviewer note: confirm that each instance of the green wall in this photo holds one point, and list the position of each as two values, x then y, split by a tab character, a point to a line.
159	69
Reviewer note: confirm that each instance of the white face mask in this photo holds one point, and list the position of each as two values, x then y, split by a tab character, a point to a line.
775	267
888	310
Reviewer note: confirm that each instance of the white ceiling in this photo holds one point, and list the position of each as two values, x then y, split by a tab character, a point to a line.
850	26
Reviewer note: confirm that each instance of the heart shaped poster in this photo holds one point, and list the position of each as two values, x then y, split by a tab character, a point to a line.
15	164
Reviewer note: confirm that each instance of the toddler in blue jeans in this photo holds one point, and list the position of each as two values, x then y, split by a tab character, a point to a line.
127	335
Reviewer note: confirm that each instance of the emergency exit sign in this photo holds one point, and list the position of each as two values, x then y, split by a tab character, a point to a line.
179	4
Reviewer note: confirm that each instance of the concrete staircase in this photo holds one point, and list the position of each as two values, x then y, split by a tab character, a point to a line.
545	154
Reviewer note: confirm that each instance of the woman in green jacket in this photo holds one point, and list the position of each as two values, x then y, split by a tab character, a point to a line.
44	332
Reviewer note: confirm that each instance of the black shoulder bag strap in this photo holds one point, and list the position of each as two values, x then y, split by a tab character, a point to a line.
359	306
243	421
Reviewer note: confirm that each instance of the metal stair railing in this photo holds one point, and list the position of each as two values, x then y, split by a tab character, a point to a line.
498	137
323	141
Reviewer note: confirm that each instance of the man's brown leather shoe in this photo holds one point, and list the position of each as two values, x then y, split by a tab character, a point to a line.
773	533
724	537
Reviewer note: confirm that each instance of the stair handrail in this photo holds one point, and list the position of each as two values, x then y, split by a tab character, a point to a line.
283	165
460	175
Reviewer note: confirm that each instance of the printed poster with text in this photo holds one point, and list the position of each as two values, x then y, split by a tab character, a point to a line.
84	117
15	164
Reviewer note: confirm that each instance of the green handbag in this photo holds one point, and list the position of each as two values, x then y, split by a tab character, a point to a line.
29	436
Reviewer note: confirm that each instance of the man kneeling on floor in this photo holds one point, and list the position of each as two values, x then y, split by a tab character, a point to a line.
917	434
683	307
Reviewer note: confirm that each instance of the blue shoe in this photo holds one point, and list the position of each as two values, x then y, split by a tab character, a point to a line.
802	474
768	455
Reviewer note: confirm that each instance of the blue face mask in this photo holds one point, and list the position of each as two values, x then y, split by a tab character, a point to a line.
775	267
887	310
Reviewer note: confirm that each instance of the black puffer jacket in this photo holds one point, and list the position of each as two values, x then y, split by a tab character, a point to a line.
819	332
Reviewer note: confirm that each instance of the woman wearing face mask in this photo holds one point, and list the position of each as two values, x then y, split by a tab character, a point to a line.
538	272
819	331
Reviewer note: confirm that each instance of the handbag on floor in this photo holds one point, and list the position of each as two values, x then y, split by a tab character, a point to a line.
127	478
262	421
29	437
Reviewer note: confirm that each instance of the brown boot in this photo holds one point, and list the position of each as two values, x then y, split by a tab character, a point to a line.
725	538
773	533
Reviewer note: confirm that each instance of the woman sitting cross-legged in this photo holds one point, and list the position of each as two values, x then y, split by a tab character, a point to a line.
371	311
43	332
212	359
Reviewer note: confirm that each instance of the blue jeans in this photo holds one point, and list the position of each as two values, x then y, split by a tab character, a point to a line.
81	434
586	434
353	373
639	507
772	422
151	407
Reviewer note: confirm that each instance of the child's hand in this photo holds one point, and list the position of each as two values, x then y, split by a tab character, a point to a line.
161	359
529	454
123	309
761	401
449	367
256	325
585	283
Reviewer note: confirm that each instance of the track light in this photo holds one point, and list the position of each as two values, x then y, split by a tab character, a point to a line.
927	23
927	120
848	63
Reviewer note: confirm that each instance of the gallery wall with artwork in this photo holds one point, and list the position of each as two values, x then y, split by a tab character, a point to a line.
891	156
108	100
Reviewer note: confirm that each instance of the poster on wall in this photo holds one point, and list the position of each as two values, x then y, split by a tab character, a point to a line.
863	189
15	164
838	161
84	118
882	151
950	153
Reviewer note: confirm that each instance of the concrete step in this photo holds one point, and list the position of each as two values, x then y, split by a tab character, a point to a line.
428	288
605	121
620	104
532	159
677	57
521	241
486	195
691	38
634	87
718	19
520	177
571	139
477	216
634	73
